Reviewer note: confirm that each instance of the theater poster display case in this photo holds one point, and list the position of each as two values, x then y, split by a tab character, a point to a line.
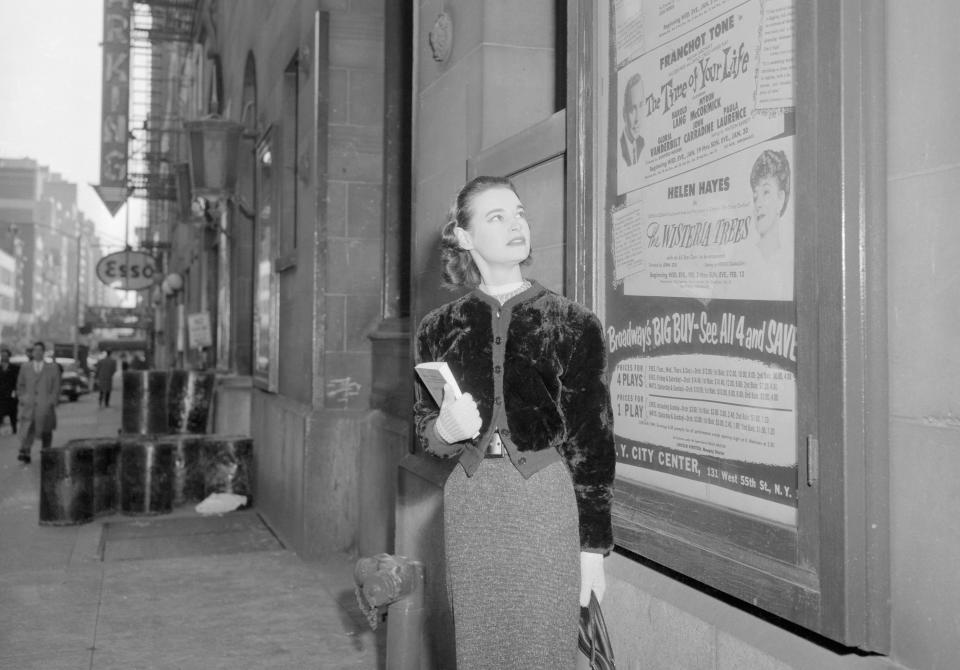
730	152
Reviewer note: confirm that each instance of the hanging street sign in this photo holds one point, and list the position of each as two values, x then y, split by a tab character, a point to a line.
198	326
128	270
113	197
114	122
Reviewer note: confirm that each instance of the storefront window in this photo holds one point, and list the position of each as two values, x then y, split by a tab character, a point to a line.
718	147
701	310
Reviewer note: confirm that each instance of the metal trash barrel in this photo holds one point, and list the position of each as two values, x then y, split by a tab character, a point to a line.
228	465
188	474
144	402
66	485
106	475
189	398
146	476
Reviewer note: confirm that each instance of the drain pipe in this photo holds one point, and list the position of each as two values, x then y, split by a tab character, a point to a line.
395	584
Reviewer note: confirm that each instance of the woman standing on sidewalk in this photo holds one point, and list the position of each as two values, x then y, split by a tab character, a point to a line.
527	515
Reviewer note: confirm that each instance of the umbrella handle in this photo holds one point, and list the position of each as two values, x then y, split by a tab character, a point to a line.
593	639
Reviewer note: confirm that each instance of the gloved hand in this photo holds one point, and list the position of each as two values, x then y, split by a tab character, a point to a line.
592	577
459	418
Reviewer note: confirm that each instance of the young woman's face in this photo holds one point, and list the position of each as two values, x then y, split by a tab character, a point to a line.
767	203
499	232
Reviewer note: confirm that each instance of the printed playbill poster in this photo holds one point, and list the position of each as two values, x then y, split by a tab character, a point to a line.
723	230
700	92
704	400
700	311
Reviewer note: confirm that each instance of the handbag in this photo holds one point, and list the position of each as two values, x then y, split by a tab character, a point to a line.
593	642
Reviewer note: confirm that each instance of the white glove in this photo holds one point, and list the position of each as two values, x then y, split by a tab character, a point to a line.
459	418
592	577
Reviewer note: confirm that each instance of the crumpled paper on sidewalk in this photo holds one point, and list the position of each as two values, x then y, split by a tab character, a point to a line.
220	503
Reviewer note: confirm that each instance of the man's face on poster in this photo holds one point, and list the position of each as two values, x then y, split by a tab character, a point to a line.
632	109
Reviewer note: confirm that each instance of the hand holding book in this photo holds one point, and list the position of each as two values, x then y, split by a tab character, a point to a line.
459	418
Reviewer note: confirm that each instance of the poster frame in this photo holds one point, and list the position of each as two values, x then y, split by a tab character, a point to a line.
830	573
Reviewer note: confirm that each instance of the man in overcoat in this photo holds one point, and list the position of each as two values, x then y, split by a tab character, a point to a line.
38	389
106	368
8	389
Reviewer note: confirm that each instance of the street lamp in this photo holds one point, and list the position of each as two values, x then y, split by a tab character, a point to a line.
214	145
172	283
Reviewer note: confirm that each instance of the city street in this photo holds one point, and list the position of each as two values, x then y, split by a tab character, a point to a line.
171	591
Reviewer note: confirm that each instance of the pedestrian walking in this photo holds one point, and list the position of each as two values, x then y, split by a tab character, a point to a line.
527	509
38	392
8	389
106	368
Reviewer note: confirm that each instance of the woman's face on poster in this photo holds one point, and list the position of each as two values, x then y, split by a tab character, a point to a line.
768	199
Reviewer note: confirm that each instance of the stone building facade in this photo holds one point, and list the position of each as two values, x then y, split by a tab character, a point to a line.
371	124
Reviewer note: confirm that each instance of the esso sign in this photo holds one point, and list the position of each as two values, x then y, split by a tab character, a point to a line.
128	270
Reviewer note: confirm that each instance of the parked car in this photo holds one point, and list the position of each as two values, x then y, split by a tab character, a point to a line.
73	381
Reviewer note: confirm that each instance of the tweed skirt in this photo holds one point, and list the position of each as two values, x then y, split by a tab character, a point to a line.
513	567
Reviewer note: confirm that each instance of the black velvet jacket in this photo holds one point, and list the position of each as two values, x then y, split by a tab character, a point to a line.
536	368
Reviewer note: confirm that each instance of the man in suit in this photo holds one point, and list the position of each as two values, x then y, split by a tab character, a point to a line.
38	389
8	389
631	141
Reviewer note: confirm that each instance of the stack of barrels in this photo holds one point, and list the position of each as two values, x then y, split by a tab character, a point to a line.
162	458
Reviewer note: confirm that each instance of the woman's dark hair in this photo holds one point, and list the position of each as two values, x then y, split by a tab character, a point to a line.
459	270
773	164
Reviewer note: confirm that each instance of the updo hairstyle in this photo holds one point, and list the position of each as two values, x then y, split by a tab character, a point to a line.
458	268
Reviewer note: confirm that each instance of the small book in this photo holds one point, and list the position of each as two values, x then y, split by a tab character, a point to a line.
434	376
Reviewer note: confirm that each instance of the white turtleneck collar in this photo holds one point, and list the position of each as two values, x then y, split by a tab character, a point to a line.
504	292
502	289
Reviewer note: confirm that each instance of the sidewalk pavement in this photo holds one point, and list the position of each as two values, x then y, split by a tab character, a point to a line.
171	591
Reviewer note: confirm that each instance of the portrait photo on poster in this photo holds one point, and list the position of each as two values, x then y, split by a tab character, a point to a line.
725	230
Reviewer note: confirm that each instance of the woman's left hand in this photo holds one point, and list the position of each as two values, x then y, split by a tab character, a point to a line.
592	577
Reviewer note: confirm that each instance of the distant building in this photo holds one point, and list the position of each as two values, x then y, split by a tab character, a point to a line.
8	292
49	249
